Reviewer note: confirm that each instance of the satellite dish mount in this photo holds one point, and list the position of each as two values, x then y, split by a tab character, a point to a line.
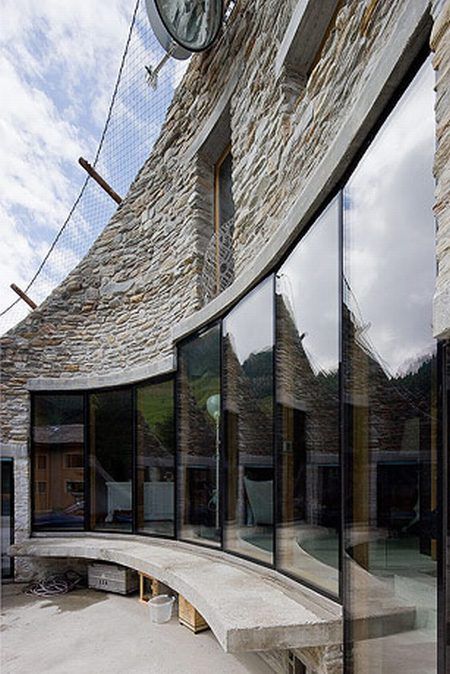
183	27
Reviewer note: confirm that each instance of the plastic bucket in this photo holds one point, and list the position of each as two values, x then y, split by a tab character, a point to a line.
161	608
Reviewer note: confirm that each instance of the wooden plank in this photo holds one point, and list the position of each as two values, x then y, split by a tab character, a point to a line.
99	180
144	595
190	617
23	296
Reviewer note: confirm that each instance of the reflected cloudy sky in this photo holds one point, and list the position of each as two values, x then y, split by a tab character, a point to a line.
390	232
308	282
250	324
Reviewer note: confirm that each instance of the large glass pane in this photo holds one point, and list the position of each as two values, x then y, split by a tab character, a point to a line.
248	390
111	441
199	437
155	446
390	393
58	461
307	364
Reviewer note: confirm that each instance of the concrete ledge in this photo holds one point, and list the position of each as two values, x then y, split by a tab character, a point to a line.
304	35
403	47
95	380
248	607
441	314
13	450
212	137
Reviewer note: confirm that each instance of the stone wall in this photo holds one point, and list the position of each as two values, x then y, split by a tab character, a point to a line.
440	44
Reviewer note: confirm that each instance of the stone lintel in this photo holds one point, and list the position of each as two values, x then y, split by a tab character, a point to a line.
441	314
95	380
304	36
13	450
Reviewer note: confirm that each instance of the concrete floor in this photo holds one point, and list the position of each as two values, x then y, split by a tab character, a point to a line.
100	633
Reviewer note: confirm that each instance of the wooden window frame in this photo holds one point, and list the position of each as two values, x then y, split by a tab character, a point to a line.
217	167
41	459
67	460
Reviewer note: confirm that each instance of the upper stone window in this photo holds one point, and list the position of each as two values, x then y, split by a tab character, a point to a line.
212	152
303	38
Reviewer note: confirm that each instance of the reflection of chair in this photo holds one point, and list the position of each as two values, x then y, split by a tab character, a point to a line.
158	499
259	494
118	498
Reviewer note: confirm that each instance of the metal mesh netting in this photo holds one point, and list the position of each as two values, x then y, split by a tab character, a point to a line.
133	124
218	262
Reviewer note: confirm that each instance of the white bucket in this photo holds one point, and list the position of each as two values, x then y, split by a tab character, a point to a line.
161	608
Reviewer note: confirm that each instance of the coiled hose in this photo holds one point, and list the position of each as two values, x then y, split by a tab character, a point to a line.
56	583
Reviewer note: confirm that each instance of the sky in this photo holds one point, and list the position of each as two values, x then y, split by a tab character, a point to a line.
58	64
59	61
390	237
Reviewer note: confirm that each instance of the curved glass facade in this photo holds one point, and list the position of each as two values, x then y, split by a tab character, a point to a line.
303	429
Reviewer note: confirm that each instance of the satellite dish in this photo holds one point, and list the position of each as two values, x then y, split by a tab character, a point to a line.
183	27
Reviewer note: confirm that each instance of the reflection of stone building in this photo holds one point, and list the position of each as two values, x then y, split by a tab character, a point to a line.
391	418
248	407
309	443
154	450
248	395
309	423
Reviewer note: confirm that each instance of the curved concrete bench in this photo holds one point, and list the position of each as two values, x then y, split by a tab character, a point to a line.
248	607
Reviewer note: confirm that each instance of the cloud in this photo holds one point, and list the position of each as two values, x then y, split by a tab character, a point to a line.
308	281
58	64
250	324
390	237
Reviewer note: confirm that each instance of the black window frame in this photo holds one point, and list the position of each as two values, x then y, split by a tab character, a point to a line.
9	461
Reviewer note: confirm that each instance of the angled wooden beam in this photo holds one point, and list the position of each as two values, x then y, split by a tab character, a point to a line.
23	296
98	179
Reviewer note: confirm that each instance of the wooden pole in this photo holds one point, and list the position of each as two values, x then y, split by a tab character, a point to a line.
98	179
22	296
